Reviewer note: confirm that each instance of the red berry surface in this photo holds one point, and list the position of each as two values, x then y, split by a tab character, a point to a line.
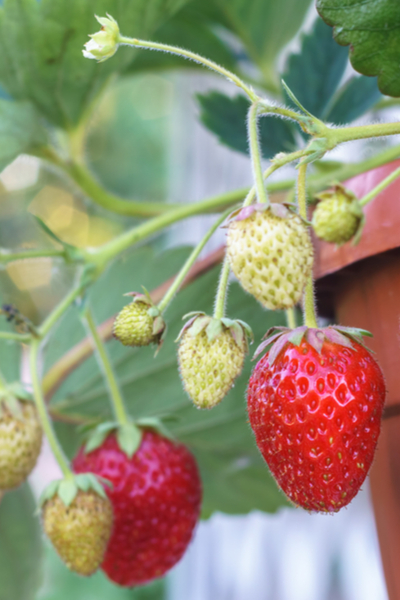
316	419
156	498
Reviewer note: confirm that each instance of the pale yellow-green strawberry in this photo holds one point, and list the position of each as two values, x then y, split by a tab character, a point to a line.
271	254
211	356
139	323
79	530
337	216
20	441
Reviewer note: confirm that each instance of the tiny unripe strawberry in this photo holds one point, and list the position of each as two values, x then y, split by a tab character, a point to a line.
20	443
133	326
211	356
337	216
271	254
80	531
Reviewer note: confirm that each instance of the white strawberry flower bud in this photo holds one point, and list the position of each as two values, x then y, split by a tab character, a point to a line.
105	42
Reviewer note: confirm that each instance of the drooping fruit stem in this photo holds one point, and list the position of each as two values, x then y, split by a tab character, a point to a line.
42	412
190	261
220	300
291	318
380	187
310	318
107	369
255	153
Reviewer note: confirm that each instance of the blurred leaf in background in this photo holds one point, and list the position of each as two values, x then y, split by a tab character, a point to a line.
20	546
221	439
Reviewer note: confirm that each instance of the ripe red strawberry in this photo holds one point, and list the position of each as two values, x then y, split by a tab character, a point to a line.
156	497
315	402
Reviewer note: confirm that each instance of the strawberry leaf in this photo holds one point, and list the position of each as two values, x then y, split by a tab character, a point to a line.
373	35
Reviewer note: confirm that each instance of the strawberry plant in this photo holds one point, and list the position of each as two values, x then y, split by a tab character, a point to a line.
112	382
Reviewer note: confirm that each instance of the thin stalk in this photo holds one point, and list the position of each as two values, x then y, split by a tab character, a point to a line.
107	369
348	134
57	313
291	318
190	261
42	412
6	256
127	41
220	300
301	191
380	187
16	337
255	153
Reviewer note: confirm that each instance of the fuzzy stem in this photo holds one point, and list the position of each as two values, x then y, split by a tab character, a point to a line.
190	261
191	56
42	412
6	256
301	191
220	299
107	369
255	153
310	318
291	318
16	337
380	187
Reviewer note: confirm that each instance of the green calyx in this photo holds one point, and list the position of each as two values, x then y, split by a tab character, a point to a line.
276	338
128	435
241	332
67	489
11	397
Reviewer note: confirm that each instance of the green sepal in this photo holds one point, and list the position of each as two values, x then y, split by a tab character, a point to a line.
156	424
295	100
199	321
129	437
214	329
67	488
98	434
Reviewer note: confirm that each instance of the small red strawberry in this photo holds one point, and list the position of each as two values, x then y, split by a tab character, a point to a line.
315	402
156	497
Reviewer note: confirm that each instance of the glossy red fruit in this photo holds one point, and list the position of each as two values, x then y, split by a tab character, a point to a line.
156	498
316	419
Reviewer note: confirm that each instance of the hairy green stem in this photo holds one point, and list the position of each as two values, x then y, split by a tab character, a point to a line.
41	408
309	305
107	369
220	300
348	134
7	256
16	337
190	261
255	153
380	187
291	318
302	191
191	56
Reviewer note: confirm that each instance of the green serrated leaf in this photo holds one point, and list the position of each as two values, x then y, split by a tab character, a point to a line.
129	437
314	74
67	491
20	130
373	36
226	117
356	97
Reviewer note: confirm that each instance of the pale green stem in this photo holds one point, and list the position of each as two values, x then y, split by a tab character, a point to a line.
190	261
291	318
191	56
16	337
42	412
309	307
57	313
255	153
6	256
107	369
348	134
220	300
380	187
301	191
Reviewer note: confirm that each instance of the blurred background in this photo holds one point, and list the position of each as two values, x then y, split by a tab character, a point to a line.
145	139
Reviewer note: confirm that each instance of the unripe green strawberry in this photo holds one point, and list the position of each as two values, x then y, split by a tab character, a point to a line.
79	530
271	254
20	442
338	216
139	323
211	356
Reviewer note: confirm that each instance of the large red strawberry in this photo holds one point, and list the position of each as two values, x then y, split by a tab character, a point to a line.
156	498
315	402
